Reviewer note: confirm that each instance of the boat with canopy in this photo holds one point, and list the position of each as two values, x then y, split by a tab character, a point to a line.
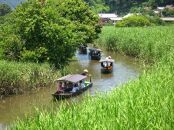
107	65
72	85
95	54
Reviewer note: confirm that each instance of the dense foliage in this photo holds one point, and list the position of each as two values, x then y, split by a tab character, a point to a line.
117	6
4	9
146	103
123	6
139	21
150	43
85	21
16	77
48	32
98	5
134	21
42	31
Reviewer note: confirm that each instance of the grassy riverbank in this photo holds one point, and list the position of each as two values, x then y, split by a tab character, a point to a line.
150	44
17	77
147	103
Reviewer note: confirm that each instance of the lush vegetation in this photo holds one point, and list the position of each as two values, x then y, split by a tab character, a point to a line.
98	5
123	6
4	9
148	43
146	103
134	21
48	31
16	77
117	6
42	32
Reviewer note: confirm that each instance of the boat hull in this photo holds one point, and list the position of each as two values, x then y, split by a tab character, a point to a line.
62	96
106	71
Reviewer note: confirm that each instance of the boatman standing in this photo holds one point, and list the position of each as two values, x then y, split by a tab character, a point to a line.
85	72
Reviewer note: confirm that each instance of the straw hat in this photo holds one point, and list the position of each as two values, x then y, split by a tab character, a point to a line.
109	57
85	70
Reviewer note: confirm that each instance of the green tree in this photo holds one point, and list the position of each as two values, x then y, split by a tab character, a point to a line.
51	33
86	21
98	5
46	36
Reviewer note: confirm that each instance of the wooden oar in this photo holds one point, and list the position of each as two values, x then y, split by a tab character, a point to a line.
90	78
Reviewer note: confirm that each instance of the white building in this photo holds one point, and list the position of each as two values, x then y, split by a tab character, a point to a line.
108	17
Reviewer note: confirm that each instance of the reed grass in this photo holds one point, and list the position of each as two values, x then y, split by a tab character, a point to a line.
147	43
143	104
17	77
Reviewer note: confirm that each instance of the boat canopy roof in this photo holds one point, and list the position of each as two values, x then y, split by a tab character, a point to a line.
72	78
106	60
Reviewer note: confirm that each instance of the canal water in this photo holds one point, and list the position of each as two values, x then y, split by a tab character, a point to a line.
125	69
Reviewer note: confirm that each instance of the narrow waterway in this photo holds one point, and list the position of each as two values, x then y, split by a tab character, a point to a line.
125	69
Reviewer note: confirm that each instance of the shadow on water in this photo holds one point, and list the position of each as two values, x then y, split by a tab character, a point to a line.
125	69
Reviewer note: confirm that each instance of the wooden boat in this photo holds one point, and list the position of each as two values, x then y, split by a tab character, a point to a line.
73	79
106	65
95	54
83	49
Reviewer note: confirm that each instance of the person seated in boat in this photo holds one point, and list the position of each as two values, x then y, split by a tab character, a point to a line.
104	64
60	88
68	87
109	67
85	72
75	88
97	52
81	84
108	58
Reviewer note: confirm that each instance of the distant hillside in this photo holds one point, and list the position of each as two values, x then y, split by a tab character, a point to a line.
12	3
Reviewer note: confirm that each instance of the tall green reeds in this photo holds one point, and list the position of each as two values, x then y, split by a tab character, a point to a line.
148	43
17	77
143	104
147	103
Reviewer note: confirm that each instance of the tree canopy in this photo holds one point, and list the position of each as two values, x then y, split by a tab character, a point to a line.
122	6
50	32
117	6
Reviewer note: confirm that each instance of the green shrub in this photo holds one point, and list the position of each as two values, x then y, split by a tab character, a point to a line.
12	47
134	21
37	55
155	20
